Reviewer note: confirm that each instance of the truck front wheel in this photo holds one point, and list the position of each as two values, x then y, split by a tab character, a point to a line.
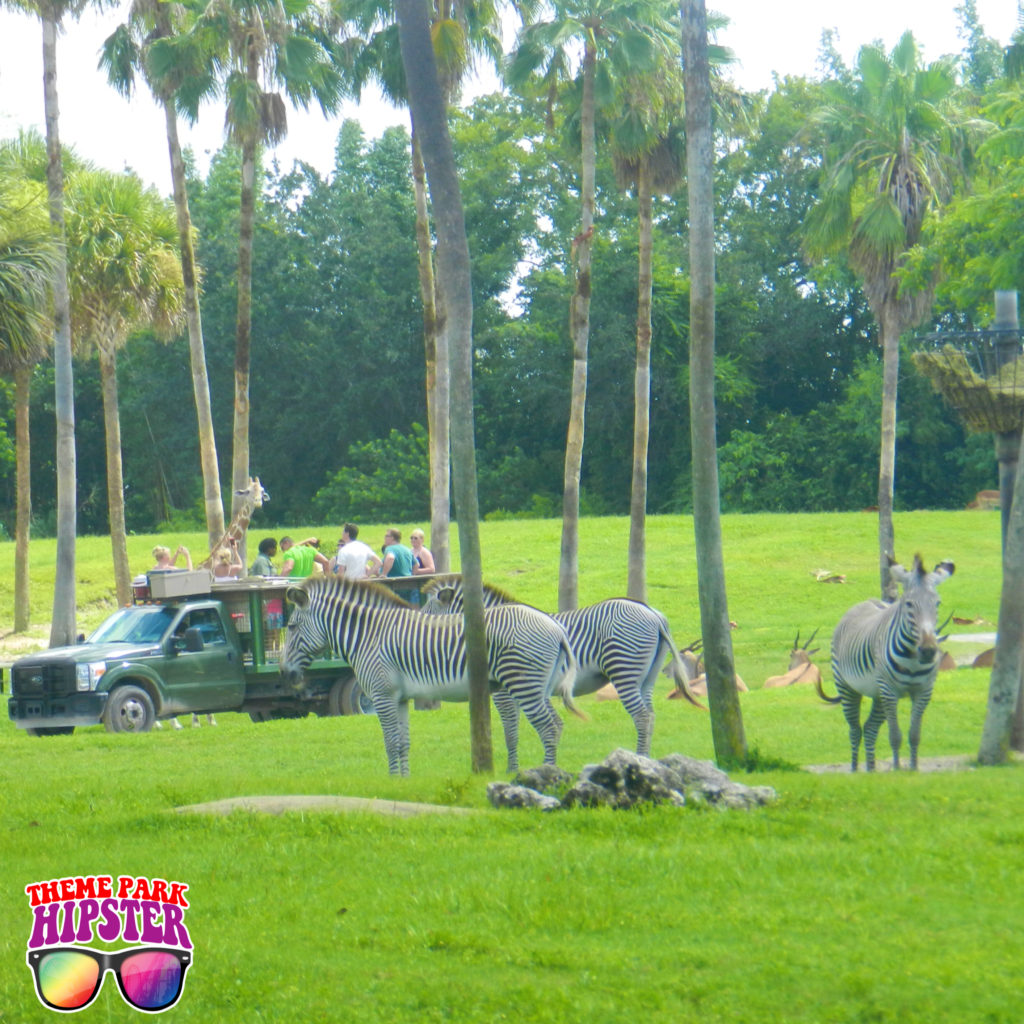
129	709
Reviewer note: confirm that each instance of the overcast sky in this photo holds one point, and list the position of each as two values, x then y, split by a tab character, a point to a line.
767	36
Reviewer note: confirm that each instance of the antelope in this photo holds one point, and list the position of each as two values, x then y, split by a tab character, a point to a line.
986	500
696	678
801	668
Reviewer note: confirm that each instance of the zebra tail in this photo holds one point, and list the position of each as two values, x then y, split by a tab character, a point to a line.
675	670
567	683
823	695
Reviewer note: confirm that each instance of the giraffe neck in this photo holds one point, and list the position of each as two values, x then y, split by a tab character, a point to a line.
235	531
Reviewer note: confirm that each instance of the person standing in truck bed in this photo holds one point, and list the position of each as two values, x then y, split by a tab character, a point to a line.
299	559
165	561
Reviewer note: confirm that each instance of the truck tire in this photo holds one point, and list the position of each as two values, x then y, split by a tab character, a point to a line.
52	730
334	695
129	709
347	698
355	702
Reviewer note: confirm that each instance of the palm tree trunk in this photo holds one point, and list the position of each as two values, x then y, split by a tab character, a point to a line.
115	475
887	452
23	523
435	345
579	330
636	585
1004	690
243	334
726	720
197	351
62	625
429	114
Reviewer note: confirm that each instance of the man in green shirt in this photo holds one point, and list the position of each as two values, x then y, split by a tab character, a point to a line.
299	559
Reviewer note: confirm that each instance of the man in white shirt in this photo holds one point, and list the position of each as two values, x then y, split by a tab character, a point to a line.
353	555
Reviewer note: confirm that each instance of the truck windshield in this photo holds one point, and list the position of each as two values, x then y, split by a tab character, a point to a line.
140	625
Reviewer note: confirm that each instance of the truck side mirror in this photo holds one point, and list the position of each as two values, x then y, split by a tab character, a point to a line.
193	639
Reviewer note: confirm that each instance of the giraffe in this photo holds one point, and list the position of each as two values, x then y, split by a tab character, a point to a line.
254	497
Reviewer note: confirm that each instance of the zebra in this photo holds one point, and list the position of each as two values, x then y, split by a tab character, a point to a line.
886	652
398	654
618	641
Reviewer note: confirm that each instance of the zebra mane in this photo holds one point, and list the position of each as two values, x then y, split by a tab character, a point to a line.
366	592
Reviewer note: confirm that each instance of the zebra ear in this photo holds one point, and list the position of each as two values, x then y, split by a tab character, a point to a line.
297	596
942	572
898	573
445	596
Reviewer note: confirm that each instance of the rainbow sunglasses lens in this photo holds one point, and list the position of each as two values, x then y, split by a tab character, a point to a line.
150	979
68	980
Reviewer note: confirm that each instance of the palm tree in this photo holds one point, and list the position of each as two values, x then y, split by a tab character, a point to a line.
891	145
174	62
461	31
267	44
27	260
429	112
125	275
617	38
52	14
726	719
656	168
648	151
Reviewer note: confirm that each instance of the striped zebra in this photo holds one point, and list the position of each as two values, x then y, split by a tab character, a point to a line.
618	641
397	654
886	652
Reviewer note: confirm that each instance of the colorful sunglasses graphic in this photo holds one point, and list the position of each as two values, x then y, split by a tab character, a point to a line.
68	978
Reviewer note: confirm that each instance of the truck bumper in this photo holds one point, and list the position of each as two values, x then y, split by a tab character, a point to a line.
46	712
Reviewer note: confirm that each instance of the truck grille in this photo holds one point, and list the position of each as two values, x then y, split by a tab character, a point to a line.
42	680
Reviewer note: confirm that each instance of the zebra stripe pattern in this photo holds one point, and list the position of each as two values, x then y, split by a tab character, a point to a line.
886	652
618	641
397	654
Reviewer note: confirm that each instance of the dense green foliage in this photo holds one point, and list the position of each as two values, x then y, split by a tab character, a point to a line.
337	387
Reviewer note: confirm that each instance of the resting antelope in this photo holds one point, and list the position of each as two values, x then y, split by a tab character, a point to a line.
801	668
696	678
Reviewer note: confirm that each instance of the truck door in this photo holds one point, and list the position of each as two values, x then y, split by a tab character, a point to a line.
208	679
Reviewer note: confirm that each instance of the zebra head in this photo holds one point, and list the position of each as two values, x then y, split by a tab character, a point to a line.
305	636
920	605
441	597
445	596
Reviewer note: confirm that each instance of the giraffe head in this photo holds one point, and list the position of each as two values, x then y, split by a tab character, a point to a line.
254	493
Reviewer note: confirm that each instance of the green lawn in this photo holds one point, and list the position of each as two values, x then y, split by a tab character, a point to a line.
892	897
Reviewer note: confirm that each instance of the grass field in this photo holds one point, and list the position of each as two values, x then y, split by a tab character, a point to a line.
893	897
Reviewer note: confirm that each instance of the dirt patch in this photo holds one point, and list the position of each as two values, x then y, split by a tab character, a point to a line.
17	645
949	763
283	804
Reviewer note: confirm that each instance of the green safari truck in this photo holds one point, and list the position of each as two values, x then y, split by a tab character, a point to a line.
187	644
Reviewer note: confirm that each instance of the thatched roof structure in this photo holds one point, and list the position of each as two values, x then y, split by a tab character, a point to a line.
981	375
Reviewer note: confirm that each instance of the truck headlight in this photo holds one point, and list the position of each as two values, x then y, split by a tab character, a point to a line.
88	675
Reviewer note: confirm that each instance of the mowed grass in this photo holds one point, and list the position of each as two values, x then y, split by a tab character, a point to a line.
891	897
769	562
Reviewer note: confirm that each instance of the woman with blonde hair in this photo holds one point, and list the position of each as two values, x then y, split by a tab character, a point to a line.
164	560
227	562
422	559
